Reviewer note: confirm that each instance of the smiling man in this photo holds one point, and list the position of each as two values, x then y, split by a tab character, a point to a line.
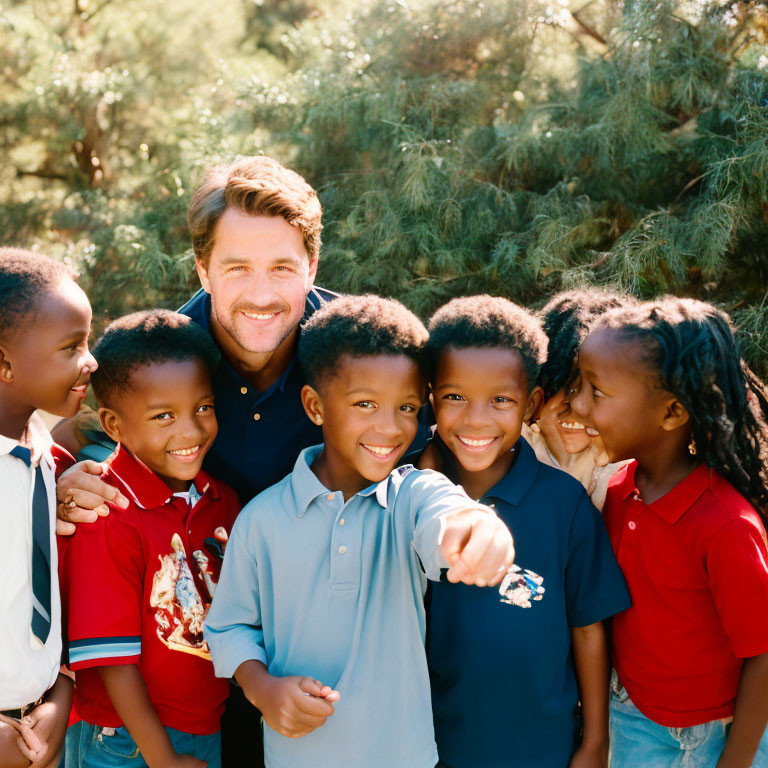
255	229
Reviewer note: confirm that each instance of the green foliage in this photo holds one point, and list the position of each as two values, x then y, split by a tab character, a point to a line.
457	145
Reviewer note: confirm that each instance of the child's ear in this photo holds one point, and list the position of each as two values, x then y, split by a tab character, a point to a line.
110	423
6	372
533	406
313	404
675	415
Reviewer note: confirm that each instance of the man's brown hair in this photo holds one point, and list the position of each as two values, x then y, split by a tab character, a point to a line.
256	186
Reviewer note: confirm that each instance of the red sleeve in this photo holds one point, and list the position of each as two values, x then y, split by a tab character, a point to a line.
102	579
737	567
62	459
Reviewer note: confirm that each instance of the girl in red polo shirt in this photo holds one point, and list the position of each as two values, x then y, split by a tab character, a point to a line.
663	383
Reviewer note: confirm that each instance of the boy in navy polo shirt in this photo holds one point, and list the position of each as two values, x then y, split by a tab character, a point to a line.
509	666
327	639
137	584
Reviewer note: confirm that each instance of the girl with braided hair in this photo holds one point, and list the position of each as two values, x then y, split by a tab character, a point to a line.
555	434
663	383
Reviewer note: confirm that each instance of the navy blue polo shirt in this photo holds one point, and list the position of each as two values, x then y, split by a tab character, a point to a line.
260	433
504	689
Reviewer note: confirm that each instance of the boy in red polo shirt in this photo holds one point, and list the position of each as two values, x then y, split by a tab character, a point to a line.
137	584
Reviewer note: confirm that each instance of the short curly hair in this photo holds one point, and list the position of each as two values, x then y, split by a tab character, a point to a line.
25	278
488	321
358	326
567	319
257	186
141	339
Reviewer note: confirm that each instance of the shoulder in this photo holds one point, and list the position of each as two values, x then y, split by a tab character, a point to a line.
265	509
554	488
725	511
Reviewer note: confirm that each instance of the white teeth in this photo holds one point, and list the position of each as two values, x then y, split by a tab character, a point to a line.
477	443
379	450
259	316
185	451
572	425
592	432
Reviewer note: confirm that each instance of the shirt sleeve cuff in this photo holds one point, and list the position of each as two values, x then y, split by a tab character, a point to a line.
606	607
104	651
231	647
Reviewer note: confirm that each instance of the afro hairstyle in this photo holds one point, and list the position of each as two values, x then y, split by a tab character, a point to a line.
358	326
567	319
488	321
25	279
141	339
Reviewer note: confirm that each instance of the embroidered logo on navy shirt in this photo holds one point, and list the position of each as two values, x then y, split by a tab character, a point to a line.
520	586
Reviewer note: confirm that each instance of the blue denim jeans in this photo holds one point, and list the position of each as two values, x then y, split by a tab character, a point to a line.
91	746
637	742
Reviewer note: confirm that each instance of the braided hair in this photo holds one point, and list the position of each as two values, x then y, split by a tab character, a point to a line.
567	319
693	348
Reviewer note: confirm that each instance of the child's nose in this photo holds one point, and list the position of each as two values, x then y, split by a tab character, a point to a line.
579	402
476	415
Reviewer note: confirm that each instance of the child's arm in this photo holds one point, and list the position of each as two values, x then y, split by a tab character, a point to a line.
128	693
477	546
293	706
750	715
590	656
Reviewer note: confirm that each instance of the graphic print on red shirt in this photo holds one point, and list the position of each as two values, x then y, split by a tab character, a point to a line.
138	585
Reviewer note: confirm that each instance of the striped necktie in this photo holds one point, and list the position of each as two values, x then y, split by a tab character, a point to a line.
41	550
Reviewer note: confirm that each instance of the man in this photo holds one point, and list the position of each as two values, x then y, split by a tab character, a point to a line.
255	229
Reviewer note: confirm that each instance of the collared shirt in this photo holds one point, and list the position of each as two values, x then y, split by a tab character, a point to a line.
316	586
260	433
135	586
27	668
504	688
696	564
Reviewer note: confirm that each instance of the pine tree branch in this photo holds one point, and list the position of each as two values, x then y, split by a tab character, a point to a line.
42	173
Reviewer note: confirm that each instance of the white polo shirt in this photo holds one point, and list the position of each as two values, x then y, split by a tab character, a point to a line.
27	668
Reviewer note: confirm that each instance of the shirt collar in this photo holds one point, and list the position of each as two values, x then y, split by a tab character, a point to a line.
144	487
307	487
513	487
36	437
675	503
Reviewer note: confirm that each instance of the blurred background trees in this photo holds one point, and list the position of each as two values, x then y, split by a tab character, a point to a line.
510	146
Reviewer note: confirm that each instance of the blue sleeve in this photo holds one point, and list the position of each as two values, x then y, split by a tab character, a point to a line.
233	627
594	585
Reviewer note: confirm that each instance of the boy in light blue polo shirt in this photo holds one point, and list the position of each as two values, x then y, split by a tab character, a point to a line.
319	610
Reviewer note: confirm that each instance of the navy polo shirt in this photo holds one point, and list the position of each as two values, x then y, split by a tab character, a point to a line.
260	433
504	689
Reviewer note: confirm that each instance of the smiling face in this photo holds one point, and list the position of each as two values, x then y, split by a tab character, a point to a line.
481	399
166	419
47	361
557	422
258	275
368	412
620	397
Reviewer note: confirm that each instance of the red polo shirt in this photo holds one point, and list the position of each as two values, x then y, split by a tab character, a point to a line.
696	565
137	585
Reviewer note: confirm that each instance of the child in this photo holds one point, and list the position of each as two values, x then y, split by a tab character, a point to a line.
664	383
555	434
44	363
137	583
335	558
508	669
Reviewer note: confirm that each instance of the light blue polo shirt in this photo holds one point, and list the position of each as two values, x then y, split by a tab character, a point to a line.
313	586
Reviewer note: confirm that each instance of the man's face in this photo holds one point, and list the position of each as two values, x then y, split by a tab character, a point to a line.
258	276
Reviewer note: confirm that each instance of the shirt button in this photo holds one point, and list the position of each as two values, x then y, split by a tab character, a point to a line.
632	525
636	497
243	390
342	521
330	497
342	549
256	416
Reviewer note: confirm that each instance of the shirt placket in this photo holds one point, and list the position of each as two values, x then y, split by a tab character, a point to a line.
632	525
346	542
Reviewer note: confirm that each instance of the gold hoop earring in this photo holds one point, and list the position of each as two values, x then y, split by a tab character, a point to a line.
692	447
